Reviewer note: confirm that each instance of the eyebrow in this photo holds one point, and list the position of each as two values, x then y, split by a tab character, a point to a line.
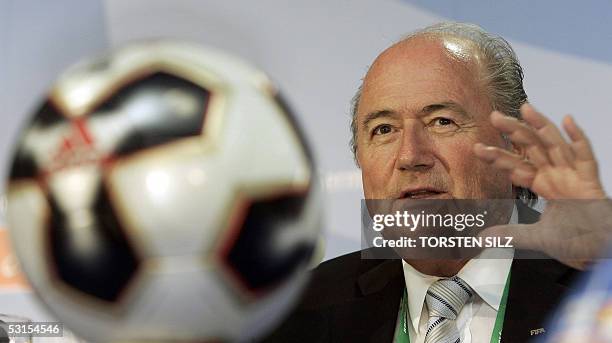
427	110
375	115
445	105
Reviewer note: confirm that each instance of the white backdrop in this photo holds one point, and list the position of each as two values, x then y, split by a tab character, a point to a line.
317	51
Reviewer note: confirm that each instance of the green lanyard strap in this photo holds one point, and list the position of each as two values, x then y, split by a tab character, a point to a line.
402	336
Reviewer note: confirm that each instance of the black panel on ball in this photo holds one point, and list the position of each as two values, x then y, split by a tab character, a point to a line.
24	166
159	108
47	116
95	259
257	256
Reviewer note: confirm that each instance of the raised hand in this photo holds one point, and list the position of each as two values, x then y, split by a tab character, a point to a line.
576	224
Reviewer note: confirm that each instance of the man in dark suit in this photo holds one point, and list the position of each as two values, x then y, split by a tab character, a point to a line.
351	299
423	127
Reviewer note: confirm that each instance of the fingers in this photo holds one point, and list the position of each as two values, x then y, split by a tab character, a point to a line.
522	172
585	163
580	143
523	135
560	152
552	160
543	142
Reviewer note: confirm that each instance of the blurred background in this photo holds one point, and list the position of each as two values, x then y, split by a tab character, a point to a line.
316	51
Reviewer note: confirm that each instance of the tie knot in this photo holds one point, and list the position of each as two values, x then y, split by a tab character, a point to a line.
446	297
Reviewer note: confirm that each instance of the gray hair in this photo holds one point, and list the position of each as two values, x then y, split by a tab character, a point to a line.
502	75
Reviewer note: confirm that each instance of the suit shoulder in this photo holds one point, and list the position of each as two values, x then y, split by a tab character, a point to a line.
343	267
335	280
528	262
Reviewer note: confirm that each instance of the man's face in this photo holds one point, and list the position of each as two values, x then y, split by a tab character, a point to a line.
421	111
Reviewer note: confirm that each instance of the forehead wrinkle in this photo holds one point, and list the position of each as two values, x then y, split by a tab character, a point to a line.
450	101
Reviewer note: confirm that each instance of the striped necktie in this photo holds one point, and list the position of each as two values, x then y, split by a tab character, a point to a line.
444	299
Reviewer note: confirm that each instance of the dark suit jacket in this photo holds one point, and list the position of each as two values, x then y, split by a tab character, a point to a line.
350	299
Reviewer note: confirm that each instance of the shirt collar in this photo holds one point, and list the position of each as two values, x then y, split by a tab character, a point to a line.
486	275
419	284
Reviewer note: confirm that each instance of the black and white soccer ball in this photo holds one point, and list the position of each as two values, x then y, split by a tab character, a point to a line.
164	192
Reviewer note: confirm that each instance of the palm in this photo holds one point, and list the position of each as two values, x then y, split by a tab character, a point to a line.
564	183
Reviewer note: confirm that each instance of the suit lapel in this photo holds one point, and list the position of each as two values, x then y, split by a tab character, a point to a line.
536	286
534	294
372	313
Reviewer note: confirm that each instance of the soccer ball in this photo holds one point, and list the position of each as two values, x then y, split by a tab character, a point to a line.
164	192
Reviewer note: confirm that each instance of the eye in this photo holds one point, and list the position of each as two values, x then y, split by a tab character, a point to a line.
441	121
382	130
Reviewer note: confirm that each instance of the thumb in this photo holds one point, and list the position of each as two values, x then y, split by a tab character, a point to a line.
524	235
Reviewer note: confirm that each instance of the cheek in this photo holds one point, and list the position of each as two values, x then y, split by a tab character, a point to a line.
459	159
472	177
377	165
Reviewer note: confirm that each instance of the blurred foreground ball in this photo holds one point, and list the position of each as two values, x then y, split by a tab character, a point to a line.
164	192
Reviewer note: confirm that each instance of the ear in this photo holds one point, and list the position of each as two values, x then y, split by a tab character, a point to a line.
522	152
518	149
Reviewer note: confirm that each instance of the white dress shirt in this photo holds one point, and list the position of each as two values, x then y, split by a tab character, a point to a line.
487	276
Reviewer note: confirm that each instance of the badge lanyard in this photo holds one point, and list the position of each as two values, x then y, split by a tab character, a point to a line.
402	335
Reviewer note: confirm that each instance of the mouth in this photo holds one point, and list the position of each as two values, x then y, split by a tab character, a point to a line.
422	193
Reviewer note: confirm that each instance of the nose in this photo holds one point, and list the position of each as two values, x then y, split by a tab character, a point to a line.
415	152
